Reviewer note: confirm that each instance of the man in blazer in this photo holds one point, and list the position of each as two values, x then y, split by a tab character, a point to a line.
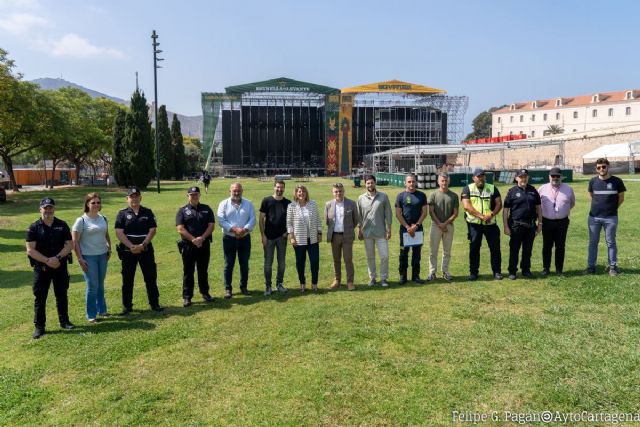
341	217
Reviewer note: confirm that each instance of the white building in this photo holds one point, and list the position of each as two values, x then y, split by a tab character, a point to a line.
574	114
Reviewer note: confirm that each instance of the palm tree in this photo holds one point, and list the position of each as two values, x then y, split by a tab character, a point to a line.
554	130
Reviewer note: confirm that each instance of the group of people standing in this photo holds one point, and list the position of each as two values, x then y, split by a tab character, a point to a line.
526	213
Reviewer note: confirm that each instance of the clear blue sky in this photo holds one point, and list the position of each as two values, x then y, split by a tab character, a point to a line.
495	52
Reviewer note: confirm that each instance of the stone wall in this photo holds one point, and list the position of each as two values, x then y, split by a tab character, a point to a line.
575	146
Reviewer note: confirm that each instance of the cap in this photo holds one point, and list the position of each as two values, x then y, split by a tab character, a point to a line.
47	201
193	190
478	171
133	190
522	172
555	171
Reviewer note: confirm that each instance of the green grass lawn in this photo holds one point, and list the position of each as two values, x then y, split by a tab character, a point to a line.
406	355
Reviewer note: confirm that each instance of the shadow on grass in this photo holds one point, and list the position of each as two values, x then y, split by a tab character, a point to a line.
15	278
104	326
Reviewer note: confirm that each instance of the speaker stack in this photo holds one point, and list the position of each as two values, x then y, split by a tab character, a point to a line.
427	176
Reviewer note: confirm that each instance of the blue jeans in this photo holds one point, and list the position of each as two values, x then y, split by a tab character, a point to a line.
610	225
94	277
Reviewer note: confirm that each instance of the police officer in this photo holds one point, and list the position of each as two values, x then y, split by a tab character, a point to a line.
411	210
482	202
48	245
195	222
522	218
135	227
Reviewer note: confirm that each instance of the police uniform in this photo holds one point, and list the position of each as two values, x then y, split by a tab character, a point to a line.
136	228
50	241
522	203
195	220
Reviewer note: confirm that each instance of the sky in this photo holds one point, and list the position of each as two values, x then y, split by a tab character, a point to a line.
494	52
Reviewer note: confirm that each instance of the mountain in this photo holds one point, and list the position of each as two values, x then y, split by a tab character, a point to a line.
190	125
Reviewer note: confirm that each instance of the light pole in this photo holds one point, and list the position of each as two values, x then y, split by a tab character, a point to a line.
156	51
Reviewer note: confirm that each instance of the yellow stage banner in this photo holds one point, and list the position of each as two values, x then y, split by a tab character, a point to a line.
393	86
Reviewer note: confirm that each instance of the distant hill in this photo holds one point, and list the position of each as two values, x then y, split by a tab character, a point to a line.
190	125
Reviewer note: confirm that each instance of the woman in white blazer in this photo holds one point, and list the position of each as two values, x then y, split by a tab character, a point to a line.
305	231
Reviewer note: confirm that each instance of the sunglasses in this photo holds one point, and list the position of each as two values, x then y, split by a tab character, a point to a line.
556	176
601	167
94	203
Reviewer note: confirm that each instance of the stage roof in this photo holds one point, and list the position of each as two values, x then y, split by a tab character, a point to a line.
281	84
393	86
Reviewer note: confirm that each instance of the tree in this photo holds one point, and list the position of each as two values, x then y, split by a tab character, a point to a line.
553	130
137	141
482	124
55	148
178	148
193	154
167	161
25	119
120	163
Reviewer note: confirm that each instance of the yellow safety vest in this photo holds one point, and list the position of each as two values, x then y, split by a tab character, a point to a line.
481	201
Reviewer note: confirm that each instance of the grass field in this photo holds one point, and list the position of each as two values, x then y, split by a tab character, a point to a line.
405	355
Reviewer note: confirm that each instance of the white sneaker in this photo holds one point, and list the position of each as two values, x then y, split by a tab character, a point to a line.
384	283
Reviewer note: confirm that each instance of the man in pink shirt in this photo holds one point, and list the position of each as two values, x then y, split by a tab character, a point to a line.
557	201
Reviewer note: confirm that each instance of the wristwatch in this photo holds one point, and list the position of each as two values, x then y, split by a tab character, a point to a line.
59	257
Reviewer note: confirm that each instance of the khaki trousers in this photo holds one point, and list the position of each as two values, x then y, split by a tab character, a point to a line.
435	236
341	249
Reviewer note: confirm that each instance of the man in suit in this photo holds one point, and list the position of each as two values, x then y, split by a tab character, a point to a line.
341	217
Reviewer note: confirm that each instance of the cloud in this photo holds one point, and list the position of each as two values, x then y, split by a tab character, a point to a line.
72	45
21	23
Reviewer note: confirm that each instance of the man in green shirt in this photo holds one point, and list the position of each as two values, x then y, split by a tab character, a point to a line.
443	208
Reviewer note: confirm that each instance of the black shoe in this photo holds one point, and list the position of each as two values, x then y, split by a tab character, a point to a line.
38	333
545	272
528	275
125	311
227	293
403	280
157	308
590	270
244	291
418	280
497	276
473	277
207	298
67	325
186	302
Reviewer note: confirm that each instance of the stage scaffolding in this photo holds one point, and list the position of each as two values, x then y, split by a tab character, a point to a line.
400	120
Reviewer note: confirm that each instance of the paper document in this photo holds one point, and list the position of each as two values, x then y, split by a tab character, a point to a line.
416	240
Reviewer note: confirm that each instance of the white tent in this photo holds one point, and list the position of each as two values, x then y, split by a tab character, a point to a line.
624	155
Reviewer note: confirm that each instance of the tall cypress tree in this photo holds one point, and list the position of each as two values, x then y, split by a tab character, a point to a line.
120	163
167	163
180	160
137	140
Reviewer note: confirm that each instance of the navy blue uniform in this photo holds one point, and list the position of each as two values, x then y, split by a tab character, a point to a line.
522	222
136	228
49	242
411	205
195	220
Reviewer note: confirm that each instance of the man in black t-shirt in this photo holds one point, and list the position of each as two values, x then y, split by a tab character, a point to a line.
195	222
411	210
607	194
135	228
48	244
273	228
522	219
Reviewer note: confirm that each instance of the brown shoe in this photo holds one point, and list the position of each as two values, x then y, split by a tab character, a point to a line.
351	287
335	284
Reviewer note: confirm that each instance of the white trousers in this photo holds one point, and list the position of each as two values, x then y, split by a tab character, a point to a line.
383	252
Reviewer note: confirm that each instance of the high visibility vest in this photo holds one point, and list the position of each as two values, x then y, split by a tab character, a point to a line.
481	201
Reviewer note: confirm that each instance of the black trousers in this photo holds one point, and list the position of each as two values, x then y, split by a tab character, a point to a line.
147	263
42	278
416	256
521	237
554	233
492	234
193	257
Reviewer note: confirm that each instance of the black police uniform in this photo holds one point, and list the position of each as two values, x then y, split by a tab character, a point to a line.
50	240
195	221
522	222
136	228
